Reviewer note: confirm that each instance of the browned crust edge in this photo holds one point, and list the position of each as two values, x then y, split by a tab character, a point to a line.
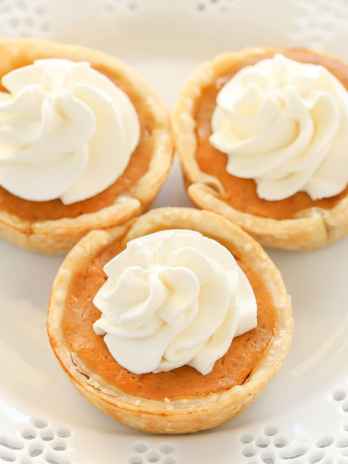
175	416
57	236
313	228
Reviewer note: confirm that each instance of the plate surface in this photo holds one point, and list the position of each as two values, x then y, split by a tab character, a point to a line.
303	415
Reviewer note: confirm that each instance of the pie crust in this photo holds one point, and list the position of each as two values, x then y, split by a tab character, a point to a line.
310	228
59	235
177	415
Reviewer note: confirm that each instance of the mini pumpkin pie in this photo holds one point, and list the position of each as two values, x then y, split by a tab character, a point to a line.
171	323
263	139
85	143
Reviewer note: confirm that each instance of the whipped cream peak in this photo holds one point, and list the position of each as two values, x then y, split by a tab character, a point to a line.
176	297
284	124
66	131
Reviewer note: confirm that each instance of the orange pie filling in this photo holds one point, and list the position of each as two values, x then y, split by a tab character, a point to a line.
243	356
241	193
138	165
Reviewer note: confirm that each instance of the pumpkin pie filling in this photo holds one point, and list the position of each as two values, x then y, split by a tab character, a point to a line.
241	193
138	165
232	369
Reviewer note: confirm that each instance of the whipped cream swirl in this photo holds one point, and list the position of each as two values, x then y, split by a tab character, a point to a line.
173	298
66	131
285	125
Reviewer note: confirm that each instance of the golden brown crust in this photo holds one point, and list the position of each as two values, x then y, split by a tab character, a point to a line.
60	235
184	415
312	228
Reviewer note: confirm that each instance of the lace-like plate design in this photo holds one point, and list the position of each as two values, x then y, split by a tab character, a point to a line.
302	418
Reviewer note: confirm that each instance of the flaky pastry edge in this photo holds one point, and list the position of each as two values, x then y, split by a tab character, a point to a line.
57	236
184	415
312	228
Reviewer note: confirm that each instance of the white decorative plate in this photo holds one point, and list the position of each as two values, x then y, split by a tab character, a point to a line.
303	415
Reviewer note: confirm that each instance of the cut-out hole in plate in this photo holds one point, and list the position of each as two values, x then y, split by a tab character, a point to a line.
271	430
140	447
293	453
280	442
63	432
325	442
11	442
29	433
316	457
268	458
47	435
262	442
200	7
35	450
39	423
59	445
339	395
249	451
247	438
7	455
